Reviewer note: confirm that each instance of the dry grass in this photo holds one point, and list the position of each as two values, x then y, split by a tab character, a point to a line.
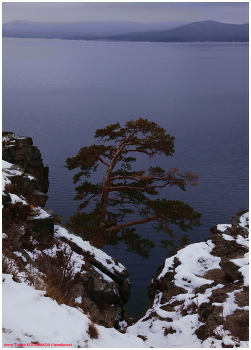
35	278
15	214
59	271
9	267
92	331
54	273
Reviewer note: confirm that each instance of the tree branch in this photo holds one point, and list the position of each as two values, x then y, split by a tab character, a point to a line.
144	189
132	223
150	154
133	178
102	161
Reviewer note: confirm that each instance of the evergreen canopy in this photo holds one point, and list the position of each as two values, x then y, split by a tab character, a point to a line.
126	197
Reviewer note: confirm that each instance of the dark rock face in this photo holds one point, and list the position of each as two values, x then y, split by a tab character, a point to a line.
26	185
41	227
31	180
19	150
165	284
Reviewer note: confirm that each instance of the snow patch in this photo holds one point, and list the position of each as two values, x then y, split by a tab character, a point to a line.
99	254
227	237
244	220
195	261
6	165
40	213
223	227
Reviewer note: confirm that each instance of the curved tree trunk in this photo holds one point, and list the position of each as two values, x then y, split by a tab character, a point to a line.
107	179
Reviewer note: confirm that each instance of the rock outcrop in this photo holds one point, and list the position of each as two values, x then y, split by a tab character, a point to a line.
38	250
200	296
20	150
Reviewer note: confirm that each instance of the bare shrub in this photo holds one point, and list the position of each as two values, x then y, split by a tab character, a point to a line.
60	272
16	213
92	331
35	278
9	267
39	240
11	241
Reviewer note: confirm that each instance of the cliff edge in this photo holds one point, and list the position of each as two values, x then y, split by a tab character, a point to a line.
58	289
38	251
200	296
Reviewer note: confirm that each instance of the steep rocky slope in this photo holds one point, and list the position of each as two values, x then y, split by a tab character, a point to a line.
38	251
75	293
200	295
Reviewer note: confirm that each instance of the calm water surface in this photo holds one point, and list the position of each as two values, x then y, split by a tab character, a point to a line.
59	92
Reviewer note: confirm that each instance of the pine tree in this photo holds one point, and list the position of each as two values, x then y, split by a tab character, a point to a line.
126	193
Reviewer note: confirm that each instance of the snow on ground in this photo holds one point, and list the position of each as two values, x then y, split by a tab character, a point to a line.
196	260
6	165
29	316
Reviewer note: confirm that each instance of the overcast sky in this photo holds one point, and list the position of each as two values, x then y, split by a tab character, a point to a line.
227	12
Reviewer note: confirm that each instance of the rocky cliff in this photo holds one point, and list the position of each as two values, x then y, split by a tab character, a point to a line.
198	297
33	176
37	250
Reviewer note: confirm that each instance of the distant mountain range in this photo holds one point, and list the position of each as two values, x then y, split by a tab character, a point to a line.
82	30
195	31
130	31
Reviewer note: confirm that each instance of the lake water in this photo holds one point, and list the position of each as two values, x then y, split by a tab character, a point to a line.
59	92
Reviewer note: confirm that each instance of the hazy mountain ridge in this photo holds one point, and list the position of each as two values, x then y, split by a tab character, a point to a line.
82	30
195	31
130	31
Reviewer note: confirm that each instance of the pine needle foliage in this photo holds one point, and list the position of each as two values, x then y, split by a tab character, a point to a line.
126	194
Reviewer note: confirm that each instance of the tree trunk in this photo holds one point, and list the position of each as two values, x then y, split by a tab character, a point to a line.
107	179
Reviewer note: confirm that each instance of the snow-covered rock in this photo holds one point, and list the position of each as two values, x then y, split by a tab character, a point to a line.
19	150
200	295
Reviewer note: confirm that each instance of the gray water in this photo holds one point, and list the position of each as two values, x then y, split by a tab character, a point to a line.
59	92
